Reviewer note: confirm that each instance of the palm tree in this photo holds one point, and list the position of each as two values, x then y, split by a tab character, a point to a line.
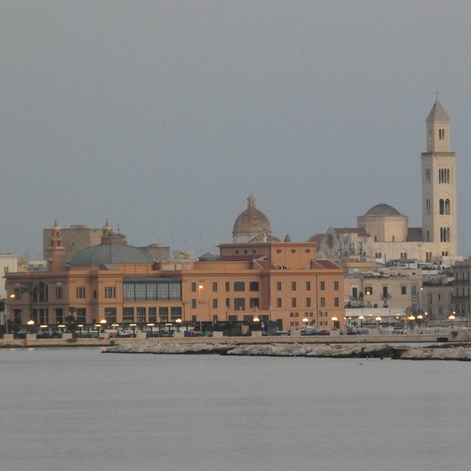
32	288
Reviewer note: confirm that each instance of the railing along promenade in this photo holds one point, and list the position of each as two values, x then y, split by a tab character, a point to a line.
425	335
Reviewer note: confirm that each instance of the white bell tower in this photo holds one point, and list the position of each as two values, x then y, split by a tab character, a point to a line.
439	187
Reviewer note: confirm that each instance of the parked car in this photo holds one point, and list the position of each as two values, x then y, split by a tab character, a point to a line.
324	332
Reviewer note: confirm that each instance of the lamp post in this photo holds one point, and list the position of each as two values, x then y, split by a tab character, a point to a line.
452	318
419	319
31	323
305	322
411	320
378	320
361	321
334	320
179	323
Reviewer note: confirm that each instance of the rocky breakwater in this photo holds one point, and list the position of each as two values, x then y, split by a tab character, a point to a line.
439	352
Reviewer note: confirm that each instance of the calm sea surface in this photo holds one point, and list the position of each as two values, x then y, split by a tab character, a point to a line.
78	409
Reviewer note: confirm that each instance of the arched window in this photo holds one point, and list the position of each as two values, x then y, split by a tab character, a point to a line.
447	206
428	236
441	134
441	205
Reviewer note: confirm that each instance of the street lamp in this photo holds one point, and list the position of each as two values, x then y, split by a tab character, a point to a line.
361	320
31	323
419	318
178	321
334	320
305	322
452	318
378	320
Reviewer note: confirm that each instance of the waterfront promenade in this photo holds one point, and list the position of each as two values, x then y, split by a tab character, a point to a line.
430	335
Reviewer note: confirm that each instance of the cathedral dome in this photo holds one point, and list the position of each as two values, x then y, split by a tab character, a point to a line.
251	222
383	210
113	249
109	254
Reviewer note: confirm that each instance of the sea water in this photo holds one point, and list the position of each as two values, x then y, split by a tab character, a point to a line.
79	409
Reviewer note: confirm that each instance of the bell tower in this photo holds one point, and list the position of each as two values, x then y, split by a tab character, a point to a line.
56	250
439	186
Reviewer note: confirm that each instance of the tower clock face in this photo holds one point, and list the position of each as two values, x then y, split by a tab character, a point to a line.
330	240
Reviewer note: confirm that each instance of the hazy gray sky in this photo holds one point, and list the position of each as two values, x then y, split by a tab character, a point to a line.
163	116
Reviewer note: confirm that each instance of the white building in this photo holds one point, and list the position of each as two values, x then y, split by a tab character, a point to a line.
383	233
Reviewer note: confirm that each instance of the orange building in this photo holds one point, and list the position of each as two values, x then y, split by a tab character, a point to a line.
118	283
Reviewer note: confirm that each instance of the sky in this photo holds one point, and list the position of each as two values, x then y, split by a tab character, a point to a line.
164	116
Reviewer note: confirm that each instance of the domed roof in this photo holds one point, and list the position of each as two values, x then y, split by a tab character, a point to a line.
252	220
110	254
383	210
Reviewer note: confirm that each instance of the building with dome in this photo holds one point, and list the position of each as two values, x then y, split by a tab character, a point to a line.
383	234
116	283
252	225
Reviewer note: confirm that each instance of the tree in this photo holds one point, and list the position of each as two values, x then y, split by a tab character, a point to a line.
71	321
31	287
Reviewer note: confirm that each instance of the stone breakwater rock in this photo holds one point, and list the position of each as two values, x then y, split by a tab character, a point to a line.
428	353
320	351
170	348
460	353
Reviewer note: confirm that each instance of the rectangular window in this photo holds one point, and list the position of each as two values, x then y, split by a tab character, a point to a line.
163	314
228	303
308	302
215	303
81	315
253	286
215	318
232	318
322	286
80	292
429	298
322	302
336	286
60	315
141	314
278	302
308	285
254	302
193	287
239	304
193	304
59	292
414	290
368	290
248	318
128	315
239	286
228	286
110	315
278	285
293	285
403	290
293	302
110	292
336	302
152	314
215	287
176	313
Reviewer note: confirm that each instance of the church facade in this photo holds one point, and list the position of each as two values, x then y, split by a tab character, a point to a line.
383	233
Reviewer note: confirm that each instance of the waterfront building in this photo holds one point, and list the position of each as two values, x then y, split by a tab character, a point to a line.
383	233
260	279
461	298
